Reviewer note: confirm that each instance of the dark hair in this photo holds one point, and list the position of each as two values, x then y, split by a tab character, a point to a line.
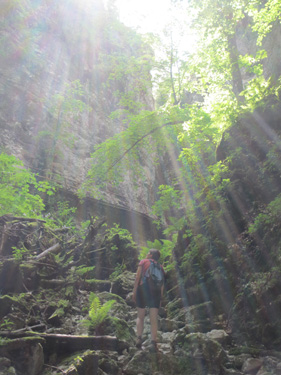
155	254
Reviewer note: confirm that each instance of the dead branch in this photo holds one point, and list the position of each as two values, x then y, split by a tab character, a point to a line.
53	249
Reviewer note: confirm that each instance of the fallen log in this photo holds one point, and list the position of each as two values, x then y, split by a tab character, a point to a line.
63	344
53	249
69	343
53	283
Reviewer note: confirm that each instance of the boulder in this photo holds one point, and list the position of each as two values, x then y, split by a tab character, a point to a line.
208	351
231	371
26	354
123	284
146	363
169	325
252	365
219	335
83	363
6	367
10	277
6	304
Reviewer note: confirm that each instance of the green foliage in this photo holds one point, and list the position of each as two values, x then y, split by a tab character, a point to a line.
84	272
170	202
62	305
19	189
129	77
6	324
264	17
165	247
258	91
97	311
121	154
62	215
122	330
268	220
19	254
84	225
123	234
118	270
65	109
69	291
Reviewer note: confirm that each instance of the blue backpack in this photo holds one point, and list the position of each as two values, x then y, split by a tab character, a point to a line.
154	275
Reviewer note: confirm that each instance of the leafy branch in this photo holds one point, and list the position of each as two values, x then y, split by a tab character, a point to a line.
110	162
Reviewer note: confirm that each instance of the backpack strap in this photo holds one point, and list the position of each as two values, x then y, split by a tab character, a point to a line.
146	274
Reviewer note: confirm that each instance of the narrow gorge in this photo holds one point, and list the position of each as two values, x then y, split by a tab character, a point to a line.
114	142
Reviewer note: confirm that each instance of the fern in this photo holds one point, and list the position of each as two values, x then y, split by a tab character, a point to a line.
84	271
97	311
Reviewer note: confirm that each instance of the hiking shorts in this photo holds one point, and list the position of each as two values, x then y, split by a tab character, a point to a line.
146	297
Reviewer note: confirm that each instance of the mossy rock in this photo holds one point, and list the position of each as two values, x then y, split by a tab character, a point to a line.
174	308
11	277
26	354
200	346
96	285
120	250
108	365
6	303
124	284
146	363
80	363
123	331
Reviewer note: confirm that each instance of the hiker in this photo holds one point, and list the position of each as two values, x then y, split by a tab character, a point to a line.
147	294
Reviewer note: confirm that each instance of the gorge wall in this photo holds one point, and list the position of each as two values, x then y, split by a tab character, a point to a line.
48	45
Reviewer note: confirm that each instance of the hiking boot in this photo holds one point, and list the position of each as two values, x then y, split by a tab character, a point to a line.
153	347
139	342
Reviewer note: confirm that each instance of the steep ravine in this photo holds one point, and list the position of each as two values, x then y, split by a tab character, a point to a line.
45	298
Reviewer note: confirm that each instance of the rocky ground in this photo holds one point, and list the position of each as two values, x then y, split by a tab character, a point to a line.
44	311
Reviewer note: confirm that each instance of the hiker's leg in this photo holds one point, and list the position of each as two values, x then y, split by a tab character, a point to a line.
140	321
153	314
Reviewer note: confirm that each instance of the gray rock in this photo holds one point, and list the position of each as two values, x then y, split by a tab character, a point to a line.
124	284
36	359
198	345
5	362
219	335
252	365
231	371
263	371
9	371
147	363
169	325
239	360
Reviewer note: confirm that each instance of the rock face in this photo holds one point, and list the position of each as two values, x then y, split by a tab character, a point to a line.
49	45
246	44
251	138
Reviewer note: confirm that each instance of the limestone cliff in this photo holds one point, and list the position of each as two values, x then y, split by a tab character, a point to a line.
47	45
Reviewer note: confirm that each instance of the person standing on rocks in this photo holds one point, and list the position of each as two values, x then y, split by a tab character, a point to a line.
147	292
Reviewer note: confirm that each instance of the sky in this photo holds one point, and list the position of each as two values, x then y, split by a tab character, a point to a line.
154	15
144	15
